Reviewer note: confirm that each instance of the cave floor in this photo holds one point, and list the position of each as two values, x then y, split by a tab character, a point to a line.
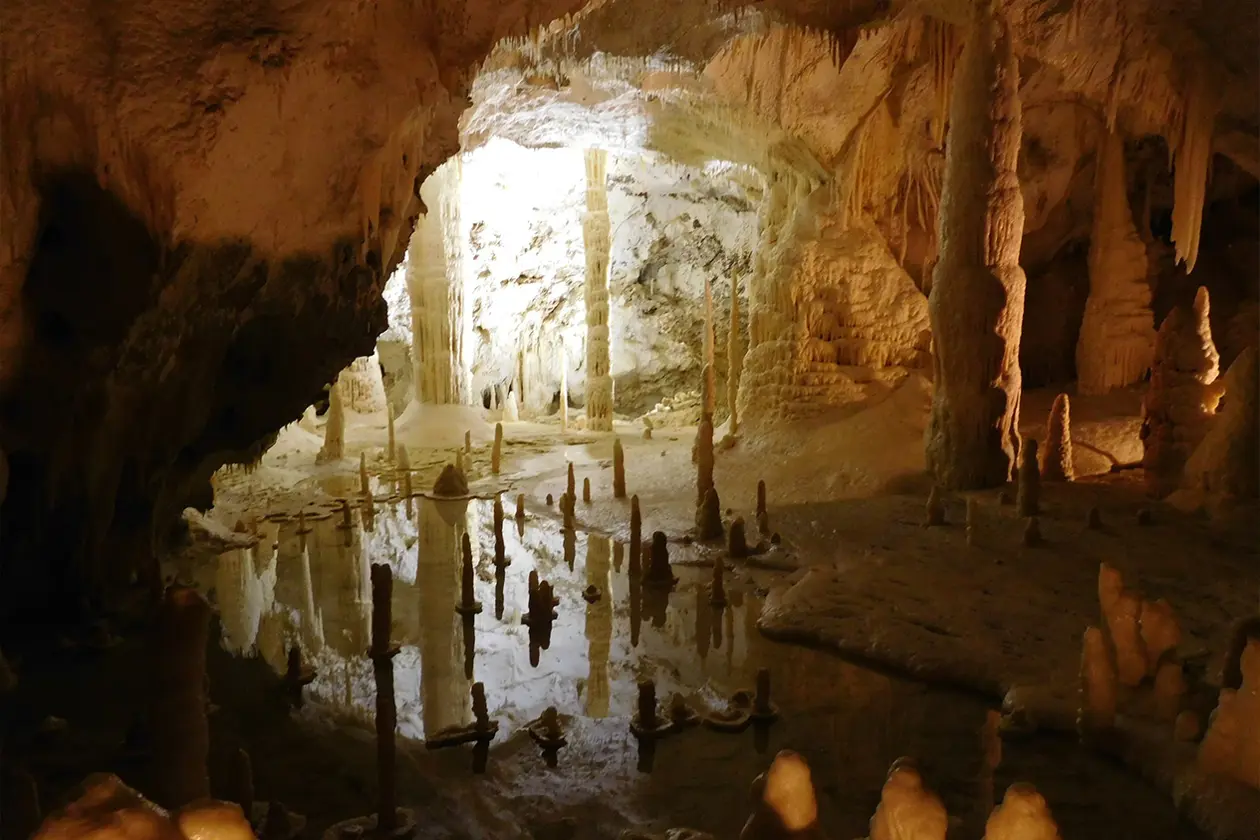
856	573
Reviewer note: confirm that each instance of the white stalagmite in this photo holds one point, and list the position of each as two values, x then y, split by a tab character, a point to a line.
435	285
977	300
597	243
363	387
334	448
1117	340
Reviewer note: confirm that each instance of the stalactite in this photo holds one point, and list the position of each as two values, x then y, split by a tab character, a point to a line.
596	240
1117	339
1193	158
977	300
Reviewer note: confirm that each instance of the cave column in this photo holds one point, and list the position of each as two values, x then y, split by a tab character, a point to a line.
596	240
1117	341
977	300
435	284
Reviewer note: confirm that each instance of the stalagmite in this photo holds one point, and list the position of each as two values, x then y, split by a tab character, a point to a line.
596	241
450	482
636	530
737	541
1056	458
468	442
404	465
704	457
391	444
500	553
659	572
180	733
1182	397
520	505
709	517
935	513
1225	466
586	489
334	448
1121	610
106	809
496	454
571	485
786	807
619	470
1023	815
1160	631
459	460
1028	489
1098	687
1117	338
977	299
1032	532
365	487
907	810
734	360
1231	745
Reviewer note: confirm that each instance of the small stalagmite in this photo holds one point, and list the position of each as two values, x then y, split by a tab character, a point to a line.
1160	631
364	486
1182	397
736	540
1098	686
586	490
499	547
709	516
636	529
659	572
391	447
451	482
1231	745
935	513
571	486
1028	489
646	714
459	460
908	810
496	454
761	497
468	441
1056	458
334	448
567	505
717	590
785	805
763	524
1121	610
619	470
1023	815
520	506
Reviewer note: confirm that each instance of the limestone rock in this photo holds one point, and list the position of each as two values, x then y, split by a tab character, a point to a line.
1023	815
1182	397
364	389
1056	457
334	448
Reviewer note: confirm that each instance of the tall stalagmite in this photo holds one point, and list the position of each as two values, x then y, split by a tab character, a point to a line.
1117	340
1182	397
595	238
435	285
334	448
977	299
734	360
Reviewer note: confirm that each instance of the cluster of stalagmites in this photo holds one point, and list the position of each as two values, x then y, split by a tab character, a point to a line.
1130	666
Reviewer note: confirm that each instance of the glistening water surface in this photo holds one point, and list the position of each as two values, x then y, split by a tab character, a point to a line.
850	722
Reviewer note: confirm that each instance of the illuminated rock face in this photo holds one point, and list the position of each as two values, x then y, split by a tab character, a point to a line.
977	298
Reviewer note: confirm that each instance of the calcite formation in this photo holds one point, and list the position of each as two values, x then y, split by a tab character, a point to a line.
1121	611
1225	466
1023	815
636	529
334	448
908	810
1231	745
596	241
1056	454
1182	397
704	458
1169	688
450	482
736	539
977	300
1117	338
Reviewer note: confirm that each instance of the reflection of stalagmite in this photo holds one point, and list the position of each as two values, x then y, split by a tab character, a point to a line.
444	691
977	299
1023	815
599	615
391	447
1231	745
596	240
619	470
1117	340
1028	490
1182	397
334	448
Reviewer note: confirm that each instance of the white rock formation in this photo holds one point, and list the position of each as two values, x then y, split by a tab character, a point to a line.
1117	339
596	243
977	299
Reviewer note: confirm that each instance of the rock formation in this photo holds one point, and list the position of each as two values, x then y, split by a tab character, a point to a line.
1121	611
908	810
334	448
1023	815
636	529
1117	339
391	440
1056	457
709	517
450	482
704	458
1231	745
977	300
785	805
1160	631
177	701
105	807
1225	466
737	540
595	239
1182	397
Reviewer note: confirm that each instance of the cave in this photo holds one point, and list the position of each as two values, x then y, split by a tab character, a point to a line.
612	419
